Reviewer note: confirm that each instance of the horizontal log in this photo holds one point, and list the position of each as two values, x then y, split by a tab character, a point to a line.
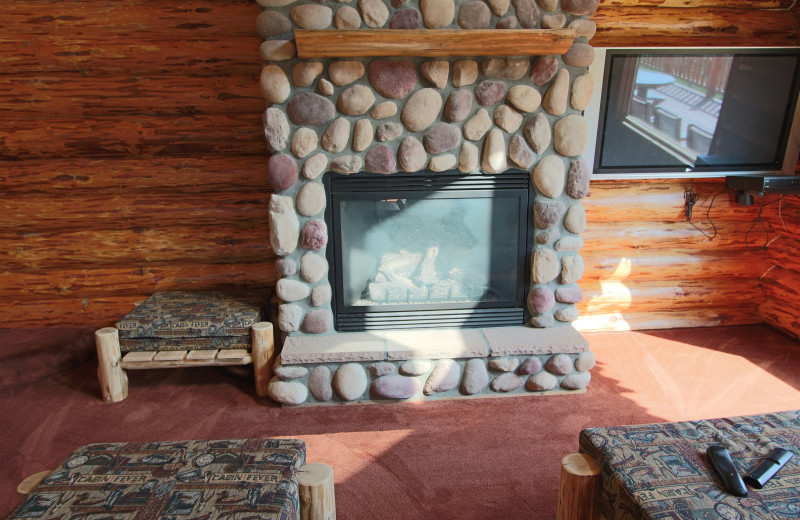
673	265
186	358
622	236
735	4
238	134
96	312
783	217
330	43
98	55
784	318
785	252
207	173
782	284
129	19
662	201
137	248
791	200
89	282
101	210
73	95
657	296
706	317
697	26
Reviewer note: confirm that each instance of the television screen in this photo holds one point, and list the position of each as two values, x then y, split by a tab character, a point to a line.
687	111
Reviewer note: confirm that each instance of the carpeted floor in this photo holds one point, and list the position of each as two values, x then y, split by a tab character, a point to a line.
465	459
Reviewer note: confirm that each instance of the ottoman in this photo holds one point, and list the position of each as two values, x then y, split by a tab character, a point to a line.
250	478
184	329
661	470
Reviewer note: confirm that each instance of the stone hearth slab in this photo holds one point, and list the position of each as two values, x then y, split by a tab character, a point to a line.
436	344
514	341
397	345
334	348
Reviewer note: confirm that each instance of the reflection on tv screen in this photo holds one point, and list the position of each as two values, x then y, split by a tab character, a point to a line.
696	111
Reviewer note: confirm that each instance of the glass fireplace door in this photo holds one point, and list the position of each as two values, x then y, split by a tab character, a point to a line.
436	251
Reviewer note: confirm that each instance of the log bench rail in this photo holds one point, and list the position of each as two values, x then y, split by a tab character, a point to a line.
182	358
112	365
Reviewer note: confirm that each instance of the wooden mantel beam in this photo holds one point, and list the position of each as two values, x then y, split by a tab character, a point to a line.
330	43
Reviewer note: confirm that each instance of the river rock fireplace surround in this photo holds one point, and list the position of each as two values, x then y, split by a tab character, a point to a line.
365	100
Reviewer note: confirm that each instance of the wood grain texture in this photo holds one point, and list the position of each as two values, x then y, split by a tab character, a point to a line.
332	43
130	136
134	160
782	284
98	54
243	174
134	247
132	153
73	95
113	379
184	362
102	311
623	236
666	319
785	252
93	281
781	316
129	19
642	26
783	218
100	210
604	297
662	200
669	265
579	489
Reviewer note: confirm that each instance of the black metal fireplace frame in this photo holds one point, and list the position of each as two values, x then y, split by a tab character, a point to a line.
364	186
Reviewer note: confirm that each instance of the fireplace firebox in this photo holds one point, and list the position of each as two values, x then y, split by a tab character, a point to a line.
428	250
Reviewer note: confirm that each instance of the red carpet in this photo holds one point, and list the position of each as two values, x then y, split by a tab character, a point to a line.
465	459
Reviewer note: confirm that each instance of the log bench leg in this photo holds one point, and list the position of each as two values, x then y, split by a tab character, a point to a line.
317	500
579	491
113	379
263	355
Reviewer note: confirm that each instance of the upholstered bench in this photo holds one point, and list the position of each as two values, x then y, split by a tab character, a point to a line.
185	329
655	471
250	478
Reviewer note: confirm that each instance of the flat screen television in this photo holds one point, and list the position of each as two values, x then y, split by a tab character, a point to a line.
693	112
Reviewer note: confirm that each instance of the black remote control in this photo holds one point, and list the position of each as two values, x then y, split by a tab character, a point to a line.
766	469
725	468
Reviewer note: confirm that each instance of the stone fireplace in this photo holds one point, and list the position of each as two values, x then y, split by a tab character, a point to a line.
426	212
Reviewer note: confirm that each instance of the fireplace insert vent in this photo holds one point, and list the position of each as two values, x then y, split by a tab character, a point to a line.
362	184
463	318
428	250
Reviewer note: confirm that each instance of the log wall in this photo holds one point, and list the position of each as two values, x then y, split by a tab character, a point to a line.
132	161
781	281
646	266
131	156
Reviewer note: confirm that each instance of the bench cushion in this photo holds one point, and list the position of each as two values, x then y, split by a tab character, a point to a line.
655	471
252	478
189	320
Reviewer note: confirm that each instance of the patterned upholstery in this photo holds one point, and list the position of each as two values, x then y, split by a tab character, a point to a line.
660	471
189	320
207	480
